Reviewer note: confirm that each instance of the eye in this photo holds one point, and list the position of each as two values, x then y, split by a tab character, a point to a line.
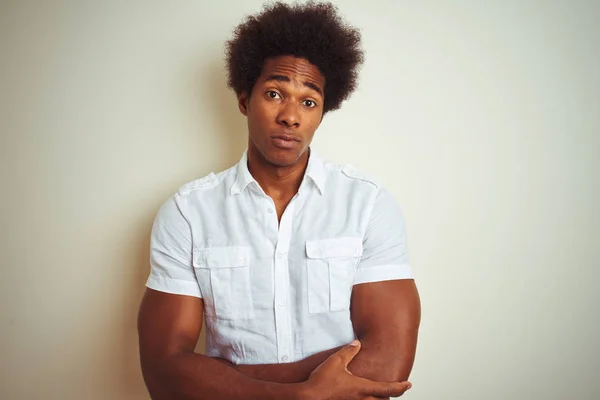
273	94
309	103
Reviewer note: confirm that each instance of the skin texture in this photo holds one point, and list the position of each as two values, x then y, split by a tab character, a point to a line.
286	101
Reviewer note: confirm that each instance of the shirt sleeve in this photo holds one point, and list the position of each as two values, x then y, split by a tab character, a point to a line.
171	268
385	253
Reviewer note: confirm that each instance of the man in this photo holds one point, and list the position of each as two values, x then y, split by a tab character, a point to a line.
288	257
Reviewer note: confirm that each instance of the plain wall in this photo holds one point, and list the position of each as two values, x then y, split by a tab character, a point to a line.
482	119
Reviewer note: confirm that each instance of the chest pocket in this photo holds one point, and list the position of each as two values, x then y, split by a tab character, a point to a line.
223	274
330	268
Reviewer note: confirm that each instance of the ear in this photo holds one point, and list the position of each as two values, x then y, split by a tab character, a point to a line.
243	100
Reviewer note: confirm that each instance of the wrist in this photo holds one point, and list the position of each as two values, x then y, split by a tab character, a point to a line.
303	391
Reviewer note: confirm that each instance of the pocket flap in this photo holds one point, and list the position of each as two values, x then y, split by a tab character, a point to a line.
334	248
222	257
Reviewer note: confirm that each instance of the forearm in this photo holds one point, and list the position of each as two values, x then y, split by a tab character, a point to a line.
190	376
383	357
295	372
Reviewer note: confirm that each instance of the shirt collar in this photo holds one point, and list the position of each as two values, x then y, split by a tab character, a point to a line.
243	177
315	171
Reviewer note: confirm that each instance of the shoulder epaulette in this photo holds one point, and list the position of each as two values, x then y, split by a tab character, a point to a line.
353	173
207	182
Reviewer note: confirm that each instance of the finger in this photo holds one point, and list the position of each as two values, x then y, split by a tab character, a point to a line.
386	389
347	353
375	398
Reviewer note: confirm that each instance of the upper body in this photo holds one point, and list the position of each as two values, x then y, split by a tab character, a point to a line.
288	257
277	290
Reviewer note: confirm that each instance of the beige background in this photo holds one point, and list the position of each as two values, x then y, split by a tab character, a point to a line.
482	118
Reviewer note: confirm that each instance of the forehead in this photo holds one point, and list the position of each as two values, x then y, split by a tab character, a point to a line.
299	70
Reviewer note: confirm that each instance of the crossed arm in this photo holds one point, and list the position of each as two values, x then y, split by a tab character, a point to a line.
385	315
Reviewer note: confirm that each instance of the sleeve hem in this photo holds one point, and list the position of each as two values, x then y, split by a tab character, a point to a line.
173	286
382	273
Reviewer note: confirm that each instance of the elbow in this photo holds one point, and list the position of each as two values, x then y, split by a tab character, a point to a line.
158	377
402	372
391	368
154	382
388	360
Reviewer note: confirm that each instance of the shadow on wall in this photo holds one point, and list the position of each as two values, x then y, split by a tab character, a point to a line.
231	138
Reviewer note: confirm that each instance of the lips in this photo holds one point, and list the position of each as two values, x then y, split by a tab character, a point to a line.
285	141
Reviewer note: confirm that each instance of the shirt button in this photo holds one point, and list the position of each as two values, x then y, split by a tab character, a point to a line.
270	210
281	306
285	358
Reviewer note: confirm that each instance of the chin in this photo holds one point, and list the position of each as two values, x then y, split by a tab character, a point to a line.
282	158
282	161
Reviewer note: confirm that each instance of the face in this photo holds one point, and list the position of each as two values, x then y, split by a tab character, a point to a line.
284	109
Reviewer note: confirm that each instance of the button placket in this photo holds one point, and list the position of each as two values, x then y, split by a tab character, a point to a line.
281	301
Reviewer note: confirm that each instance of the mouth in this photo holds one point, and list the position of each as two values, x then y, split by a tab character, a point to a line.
285	141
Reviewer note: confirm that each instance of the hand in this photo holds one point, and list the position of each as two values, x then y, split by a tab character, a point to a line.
332	381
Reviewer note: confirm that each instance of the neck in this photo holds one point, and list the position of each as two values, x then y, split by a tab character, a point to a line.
277	182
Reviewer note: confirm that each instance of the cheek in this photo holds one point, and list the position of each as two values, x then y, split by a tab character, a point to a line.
262	112
314	121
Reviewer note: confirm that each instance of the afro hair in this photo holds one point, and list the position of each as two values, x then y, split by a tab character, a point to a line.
313	31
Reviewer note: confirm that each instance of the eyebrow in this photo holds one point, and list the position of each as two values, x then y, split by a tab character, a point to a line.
283	78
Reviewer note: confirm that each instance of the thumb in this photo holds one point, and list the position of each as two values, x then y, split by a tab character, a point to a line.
347	353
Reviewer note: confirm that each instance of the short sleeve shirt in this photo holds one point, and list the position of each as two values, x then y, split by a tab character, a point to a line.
277	291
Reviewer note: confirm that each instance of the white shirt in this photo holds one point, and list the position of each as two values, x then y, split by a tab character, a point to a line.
277	292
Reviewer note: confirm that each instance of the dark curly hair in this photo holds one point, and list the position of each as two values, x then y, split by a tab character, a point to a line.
313	31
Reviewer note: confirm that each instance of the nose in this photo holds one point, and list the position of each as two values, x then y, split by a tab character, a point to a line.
289	115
